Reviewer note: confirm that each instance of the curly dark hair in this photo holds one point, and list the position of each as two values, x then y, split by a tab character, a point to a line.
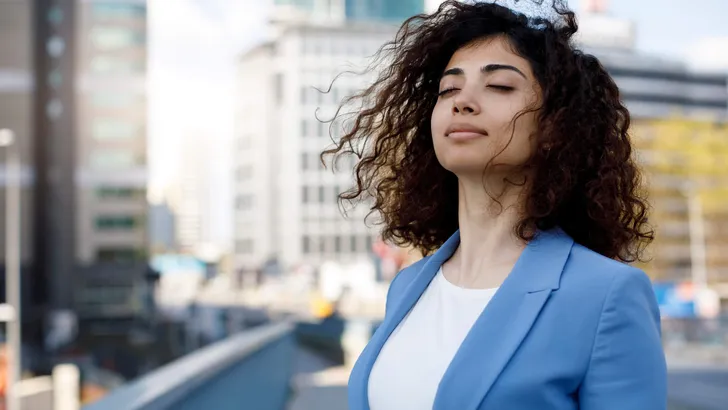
586	181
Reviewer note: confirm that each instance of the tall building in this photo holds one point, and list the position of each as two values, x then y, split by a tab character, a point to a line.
162	229
383	10
657	89
285	205
16	113
323	11
189	194
72	86
328	11
111	130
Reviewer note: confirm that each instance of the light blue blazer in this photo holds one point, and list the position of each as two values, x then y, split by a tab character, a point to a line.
568	329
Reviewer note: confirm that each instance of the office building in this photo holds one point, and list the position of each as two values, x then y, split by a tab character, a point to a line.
383	10
189	194
657	89
16	113
162	228
332	11
285	203
72	86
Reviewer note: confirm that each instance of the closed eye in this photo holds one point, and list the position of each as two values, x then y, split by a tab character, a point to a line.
446	91
501	87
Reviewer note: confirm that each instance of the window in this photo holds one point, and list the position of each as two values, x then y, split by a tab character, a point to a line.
244	201
55	15
304	194
108	38
110	65
337	192
335	95
322	245
322	194
110	129
352	243
119	193
109	159
119	255
278	84
116	222
55	78
117	10
244	246
304	128
245	172
321	129
306	244
304	161
55	46
113	100
337	244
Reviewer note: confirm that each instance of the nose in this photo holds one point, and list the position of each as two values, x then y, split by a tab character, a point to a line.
463	103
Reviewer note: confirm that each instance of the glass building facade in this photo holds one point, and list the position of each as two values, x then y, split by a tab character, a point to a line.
383	10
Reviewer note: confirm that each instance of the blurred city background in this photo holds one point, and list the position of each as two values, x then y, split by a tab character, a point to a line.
175	242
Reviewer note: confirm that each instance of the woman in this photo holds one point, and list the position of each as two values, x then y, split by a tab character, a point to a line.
494	143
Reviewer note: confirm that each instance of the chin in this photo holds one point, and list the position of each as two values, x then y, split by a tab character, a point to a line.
463	164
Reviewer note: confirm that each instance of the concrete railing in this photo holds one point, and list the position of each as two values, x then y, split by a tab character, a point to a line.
250	370
36	393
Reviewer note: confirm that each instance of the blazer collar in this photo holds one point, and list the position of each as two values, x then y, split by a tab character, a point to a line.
526	289
539	267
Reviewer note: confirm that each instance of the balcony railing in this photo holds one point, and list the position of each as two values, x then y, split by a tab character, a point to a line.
249	370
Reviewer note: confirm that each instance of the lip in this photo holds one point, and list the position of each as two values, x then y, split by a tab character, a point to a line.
465	132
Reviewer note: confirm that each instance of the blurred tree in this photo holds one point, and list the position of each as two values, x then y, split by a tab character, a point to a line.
686	164
692	151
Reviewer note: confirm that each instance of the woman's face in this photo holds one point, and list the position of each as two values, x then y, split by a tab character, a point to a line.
484	87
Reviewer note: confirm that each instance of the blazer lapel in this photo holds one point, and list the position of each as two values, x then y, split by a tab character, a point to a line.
504	323
359	395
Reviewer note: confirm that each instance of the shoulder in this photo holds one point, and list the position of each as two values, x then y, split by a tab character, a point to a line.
585	265
611	287
593	285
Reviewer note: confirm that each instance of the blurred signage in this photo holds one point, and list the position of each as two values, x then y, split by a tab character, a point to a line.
676	300
707	304
171	264
684	300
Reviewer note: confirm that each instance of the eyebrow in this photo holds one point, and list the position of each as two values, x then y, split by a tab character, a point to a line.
485	70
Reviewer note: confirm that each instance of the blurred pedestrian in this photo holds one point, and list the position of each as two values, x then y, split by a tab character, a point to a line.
501	151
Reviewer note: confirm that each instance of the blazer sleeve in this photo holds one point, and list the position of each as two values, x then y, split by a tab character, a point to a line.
627	369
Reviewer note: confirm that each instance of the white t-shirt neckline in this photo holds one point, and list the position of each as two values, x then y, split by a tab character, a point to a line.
461	291
413	360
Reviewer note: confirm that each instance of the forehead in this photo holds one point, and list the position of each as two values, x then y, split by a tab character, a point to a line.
496	50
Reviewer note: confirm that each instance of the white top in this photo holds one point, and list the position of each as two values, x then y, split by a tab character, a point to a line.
412	362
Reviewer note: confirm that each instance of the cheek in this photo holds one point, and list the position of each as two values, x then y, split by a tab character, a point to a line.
438	120
523	143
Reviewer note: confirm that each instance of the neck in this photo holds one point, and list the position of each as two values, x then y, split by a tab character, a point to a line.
487	237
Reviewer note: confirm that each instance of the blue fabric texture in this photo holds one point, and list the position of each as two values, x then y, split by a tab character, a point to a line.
568	329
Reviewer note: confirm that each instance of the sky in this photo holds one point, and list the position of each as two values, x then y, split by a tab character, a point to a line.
194	44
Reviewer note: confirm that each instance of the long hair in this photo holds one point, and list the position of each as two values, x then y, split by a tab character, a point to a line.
585	179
